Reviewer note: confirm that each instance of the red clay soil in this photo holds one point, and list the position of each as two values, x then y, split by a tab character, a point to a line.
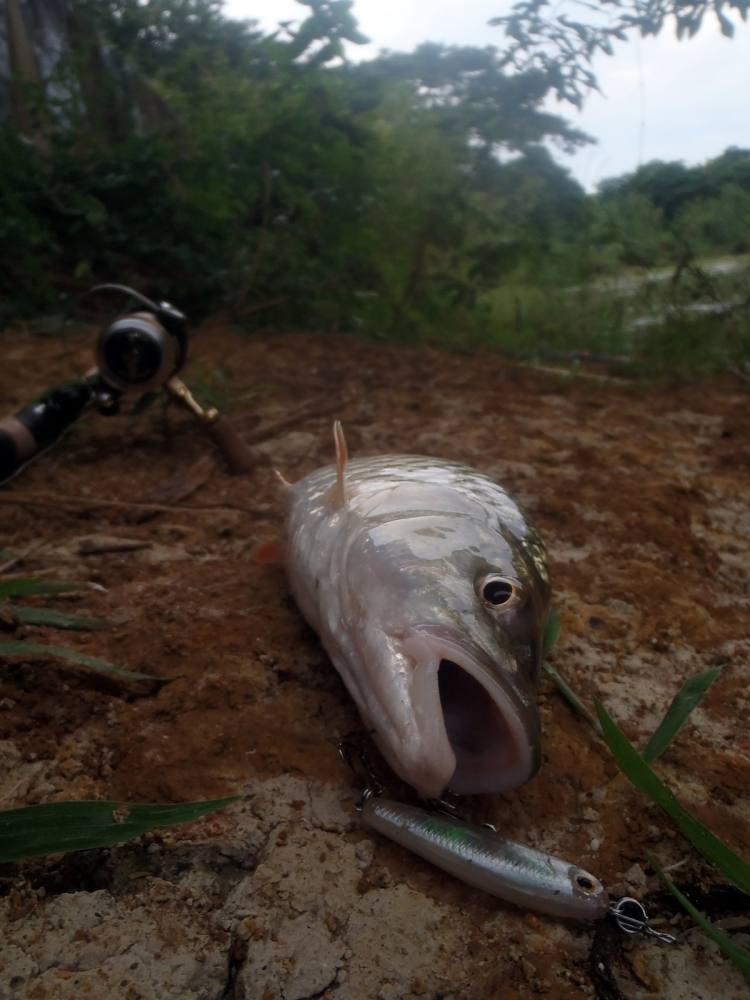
643	497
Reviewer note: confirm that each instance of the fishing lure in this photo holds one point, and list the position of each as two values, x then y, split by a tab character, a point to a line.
482	857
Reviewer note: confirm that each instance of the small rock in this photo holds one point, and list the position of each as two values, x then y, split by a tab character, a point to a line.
635	875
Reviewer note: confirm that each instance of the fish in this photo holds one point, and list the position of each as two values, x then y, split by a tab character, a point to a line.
428	588
481	857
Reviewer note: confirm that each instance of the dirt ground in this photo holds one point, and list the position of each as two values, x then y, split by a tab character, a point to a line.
643	497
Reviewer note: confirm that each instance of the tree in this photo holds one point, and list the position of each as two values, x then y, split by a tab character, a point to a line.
563	48
469	91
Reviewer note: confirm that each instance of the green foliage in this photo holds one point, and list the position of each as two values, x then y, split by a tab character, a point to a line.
224	166
739	956
551	632
562	47
413	195
51	618
60	827
31	585
635	768
33	651
684	702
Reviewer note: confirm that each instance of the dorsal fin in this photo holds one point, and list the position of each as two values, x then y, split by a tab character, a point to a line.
282	480
338	494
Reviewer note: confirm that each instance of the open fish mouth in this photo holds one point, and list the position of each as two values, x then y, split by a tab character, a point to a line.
493	748
475	735
486	735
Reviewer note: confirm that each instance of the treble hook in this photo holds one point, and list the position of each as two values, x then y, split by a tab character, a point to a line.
630	916
349	748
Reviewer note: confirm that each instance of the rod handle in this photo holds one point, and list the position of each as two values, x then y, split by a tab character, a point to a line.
38	425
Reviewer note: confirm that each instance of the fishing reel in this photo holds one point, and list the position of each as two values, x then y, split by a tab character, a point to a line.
141	351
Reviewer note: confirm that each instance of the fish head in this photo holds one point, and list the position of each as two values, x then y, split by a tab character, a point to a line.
447	615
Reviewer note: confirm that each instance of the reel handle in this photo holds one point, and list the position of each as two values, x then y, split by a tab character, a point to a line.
236	452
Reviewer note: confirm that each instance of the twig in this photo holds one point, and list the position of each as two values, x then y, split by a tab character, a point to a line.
568	372
308	412
102	546
6	566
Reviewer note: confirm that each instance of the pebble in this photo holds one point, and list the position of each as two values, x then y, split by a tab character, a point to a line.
635	875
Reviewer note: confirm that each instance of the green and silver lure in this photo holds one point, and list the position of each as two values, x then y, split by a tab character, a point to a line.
481	857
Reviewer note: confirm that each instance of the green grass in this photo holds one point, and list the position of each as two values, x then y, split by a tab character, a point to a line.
59	827
639	773
32	651
739	956
636	767
683	704
542	316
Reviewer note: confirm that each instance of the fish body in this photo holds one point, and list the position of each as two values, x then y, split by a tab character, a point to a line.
483	858
428	589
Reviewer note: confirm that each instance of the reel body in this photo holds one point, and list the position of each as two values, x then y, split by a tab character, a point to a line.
139	352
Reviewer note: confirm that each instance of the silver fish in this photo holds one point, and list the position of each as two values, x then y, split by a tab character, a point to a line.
481	857
428	589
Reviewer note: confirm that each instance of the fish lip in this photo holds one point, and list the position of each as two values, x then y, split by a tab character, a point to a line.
428	646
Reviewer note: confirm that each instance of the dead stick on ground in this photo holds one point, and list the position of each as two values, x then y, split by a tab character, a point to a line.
91	503
11	563
92	547
307	412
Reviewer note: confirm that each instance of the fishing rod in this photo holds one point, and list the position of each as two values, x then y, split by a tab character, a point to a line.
143	350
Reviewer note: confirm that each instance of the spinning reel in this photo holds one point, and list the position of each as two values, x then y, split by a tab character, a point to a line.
139	352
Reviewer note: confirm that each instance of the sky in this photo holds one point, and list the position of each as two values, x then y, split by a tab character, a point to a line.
662	99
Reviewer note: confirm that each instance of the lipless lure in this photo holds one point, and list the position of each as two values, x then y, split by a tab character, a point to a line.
481	857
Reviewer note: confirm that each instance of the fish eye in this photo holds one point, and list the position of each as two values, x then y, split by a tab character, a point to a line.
497	592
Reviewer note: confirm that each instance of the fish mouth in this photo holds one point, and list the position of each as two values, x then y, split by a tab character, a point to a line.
488	739
475	733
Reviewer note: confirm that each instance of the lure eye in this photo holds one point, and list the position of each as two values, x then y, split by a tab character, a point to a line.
497	592
585	883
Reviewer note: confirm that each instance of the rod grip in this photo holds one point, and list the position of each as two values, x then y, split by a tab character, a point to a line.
40	424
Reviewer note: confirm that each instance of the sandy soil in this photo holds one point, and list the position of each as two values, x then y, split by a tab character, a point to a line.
643	497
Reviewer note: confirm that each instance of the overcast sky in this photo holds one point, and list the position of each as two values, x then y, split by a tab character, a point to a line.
663	99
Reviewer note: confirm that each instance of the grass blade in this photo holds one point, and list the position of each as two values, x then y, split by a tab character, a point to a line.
739	956
54	619
687	698
638	772
551	631
32	585
570	696
40	650
58	827
550	635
